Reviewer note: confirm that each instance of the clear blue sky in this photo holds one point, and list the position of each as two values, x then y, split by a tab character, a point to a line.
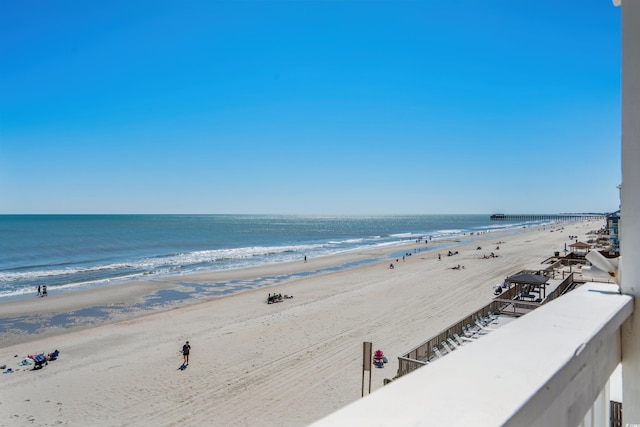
309	107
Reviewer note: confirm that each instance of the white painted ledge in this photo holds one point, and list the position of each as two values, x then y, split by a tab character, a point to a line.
547	368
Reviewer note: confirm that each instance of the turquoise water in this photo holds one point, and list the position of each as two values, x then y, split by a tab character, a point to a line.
67	252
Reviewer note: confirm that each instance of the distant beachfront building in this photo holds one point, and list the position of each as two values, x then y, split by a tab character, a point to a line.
613	221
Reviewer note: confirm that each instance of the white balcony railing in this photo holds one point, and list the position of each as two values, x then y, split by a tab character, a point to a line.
549	368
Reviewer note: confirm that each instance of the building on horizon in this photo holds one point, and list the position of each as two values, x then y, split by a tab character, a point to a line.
613	222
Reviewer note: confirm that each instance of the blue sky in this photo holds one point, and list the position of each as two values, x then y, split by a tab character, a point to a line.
309	107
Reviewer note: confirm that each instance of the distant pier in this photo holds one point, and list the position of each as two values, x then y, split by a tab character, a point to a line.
552	217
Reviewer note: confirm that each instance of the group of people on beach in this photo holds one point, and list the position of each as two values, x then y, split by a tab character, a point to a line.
391	266
277	298
274	298
42	291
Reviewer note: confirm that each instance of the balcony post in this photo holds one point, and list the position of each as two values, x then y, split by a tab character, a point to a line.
630	206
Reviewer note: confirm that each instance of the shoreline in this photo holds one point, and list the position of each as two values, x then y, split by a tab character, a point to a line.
86	308
113	253
252	363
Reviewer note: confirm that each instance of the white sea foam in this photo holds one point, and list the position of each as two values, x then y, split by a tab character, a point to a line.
449	232
152	264
87	270
10	276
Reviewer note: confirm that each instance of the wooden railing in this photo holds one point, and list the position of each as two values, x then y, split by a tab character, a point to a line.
418	356
504	304
562	287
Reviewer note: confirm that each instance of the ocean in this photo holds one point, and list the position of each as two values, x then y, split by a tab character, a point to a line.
68	252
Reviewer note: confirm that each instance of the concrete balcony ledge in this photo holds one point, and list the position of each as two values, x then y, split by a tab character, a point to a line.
545	369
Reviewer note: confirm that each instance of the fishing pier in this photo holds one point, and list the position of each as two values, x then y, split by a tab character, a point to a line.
543	217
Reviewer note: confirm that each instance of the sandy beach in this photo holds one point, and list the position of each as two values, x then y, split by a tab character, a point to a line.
252	363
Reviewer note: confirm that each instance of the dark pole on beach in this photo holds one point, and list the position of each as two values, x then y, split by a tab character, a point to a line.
366	363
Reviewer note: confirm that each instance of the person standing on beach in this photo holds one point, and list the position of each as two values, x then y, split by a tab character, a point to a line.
305	258
39	290
44	290
186	348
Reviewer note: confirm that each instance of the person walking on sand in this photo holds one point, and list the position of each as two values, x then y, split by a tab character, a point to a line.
39	292
186	348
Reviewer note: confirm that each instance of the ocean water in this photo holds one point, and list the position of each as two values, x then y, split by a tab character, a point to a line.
67	252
